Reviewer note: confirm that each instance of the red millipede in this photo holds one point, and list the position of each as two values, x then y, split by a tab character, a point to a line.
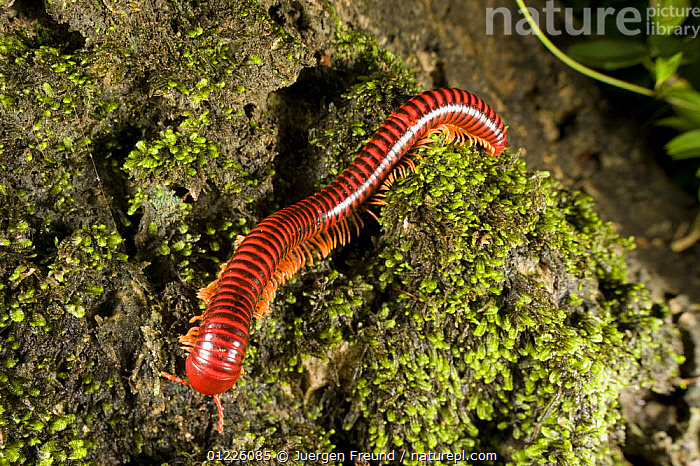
283	242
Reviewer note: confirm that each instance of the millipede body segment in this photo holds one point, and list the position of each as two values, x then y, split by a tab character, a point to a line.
283	242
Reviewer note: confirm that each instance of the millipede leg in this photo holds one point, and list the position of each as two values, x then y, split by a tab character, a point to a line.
220	412
174	378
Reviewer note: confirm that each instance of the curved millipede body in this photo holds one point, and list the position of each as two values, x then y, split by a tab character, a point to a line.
283	242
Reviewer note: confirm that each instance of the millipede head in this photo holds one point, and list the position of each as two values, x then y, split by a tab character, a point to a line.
217	400
205	381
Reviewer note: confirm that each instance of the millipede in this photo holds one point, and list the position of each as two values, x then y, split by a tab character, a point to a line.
282	243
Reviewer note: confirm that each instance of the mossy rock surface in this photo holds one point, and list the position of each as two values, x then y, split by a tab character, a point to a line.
488	311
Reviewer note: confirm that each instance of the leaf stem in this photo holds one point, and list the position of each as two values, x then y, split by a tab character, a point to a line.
576	65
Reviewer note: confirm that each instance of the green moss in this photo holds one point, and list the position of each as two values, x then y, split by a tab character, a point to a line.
76	273
34	431
176	155
30	411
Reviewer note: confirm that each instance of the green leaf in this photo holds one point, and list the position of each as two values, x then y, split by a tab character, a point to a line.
169	137
665	68
666	46
609	54
687	95
196	33
668	14
686	102
685	145
677	122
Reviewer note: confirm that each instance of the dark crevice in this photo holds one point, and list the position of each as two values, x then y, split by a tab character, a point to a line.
249	109
296	114
108	157
108	307
291	13
438	75
567	125
34	12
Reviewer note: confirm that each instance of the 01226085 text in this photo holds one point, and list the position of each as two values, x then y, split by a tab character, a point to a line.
240	455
